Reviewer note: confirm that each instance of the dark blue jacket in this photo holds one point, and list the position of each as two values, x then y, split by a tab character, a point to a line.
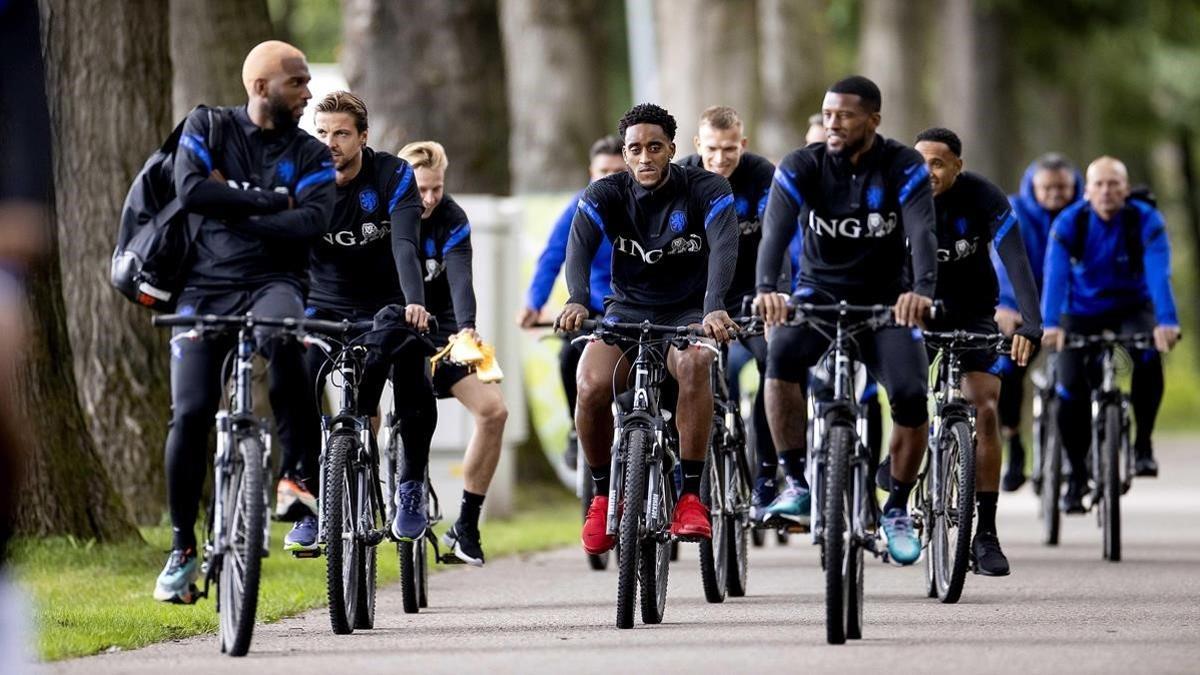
551	261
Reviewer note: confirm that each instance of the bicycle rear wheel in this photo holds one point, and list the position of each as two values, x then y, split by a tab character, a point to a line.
341	547
245	514
714	562
955	492
737	526
631	506
1110	492
839	440
368	520
1052	477
854	556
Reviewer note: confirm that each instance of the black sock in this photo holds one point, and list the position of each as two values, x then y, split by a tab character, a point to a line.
183	539
693	469
793	465
985	508
468	513
898	497
600	479
768	471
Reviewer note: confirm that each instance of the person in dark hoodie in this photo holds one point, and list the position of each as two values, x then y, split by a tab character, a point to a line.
1050	184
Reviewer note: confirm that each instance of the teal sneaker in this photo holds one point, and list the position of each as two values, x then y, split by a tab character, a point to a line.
793	505
902	542
177	581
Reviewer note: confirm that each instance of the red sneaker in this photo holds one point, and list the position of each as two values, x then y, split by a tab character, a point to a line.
691	519
595	539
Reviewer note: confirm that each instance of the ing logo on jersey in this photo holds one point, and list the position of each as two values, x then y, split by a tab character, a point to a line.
368	200
677	221
285	171
874	197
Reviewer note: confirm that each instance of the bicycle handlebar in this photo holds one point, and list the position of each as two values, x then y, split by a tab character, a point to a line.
1139	340
961	339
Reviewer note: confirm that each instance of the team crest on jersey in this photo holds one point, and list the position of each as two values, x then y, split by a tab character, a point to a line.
741	206
368	199
961	226
874	197
285	171
677	221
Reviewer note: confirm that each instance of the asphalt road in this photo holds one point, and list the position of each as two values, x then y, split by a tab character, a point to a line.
1062	610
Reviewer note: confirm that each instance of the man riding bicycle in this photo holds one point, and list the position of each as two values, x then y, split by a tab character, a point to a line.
263	198
859	196
973	216
1108	268
674	235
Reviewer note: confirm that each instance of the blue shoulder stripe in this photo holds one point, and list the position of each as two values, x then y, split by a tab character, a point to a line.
457	235
785	180
1009	220
716	207
916	174
405	180
323	175
196	145
592	214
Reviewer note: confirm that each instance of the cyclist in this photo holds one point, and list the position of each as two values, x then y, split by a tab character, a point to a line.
1108	267
721	149
605	159
262	198
858	196
367	262
674	236
973	216
1050	183
445	249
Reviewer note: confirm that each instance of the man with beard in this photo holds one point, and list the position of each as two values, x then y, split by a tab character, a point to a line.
263	197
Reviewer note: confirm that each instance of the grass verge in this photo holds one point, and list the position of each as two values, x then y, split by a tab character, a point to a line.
89	598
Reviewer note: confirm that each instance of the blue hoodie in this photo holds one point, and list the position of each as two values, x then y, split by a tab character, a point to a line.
551	261
1035	222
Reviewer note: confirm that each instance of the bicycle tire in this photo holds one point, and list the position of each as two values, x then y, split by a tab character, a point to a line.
596	562
1052	478
854	557
952	551
630	508
422	561
925	503
409	575
655	560
839	440
714	561
341	559
368	556
245	513
1110	493
737	527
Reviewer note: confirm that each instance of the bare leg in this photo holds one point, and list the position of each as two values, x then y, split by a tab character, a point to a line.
692	368
786	413
983	391
485	402
595	380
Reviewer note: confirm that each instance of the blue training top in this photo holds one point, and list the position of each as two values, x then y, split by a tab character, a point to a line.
551	261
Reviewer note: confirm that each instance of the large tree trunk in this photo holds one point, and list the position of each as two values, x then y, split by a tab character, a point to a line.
109	85
890	53
209	41
791	62
554	54
433	70
708	55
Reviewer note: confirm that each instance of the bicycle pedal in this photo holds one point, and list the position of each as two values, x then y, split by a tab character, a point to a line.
450	559
796	528
314	553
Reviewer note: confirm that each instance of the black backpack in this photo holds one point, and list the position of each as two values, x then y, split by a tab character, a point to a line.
1131	222
154	243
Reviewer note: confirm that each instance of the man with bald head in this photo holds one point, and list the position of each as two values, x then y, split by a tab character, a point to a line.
1108	267
261	196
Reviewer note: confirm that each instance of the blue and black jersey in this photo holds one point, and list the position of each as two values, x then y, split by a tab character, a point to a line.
445	249
249	236
551	261
369	258
973	216
855	219
751	183
1096	267
674	247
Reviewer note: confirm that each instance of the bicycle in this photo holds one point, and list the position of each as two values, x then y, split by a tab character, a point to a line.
642	493
1047	450
945	502
238	514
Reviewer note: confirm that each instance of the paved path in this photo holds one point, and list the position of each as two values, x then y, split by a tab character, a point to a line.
1062	610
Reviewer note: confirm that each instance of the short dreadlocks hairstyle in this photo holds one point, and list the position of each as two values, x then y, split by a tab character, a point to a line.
942	135
647	113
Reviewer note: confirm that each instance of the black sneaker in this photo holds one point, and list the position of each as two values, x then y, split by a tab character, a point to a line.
1072	499
1144	465
463	542
988	558
1014	477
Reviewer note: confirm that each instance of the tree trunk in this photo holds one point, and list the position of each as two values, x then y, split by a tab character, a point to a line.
890	53
556	91
791	62
209	41
433	70
109	95
708	55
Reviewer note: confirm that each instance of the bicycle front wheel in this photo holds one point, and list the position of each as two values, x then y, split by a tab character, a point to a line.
1110	492
839	441
341	546
368	520
737	524
637	443
714	552
656	552
955	492
1052	477
245	516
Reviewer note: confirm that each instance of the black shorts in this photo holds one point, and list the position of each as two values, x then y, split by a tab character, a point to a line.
976	360
665	317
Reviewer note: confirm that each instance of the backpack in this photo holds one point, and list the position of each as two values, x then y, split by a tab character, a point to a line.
154	242
1131	224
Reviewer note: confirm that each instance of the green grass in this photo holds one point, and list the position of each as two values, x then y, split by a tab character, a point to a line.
88	598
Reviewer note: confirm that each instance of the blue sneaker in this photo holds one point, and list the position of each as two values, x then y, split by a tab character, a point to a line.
765	491
411	519
303	536
902	542
793	505
177	581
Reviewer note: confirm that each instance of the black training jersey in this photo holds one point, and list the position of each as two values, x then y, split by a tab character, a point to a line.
972	214
446	257
751	183
368	259
855	221
674	247
249	235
